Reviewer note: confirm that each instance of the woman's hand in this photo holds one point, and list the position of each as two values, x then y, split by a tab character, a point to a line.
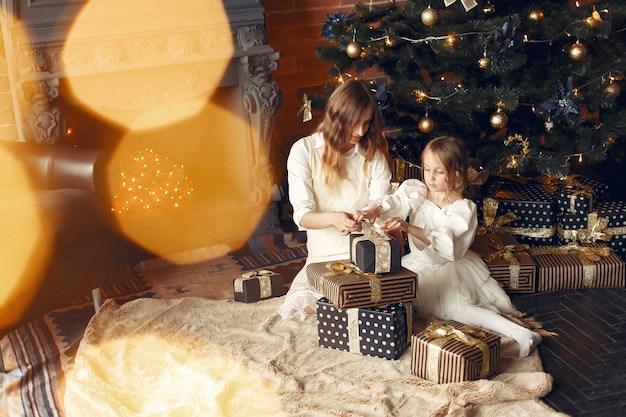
345	222
395	224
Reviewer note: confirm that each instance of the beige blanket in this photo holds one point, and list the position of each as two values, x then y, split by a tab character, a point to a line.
198	357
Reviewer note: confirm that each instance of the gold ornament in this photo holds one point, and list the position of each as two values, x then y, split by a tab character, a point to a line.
429	16
577	51
612	89
535	15
484	62
426	124
498	119
353	49
489	8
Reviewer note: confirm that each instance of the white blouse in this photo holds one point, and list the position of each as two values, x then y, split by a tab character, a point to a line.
301	194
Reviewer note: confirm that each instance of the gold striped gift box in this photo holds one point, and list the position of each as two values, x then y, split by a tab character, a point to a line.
508	261
346	286
574	266
450	351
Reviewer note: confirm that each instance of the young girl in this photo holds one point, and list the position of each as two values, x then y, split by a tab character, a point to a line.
453	282
340	168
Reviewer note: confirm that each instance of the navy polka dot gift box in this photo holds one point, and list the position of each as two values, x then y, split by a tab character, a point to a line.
376	331
535	210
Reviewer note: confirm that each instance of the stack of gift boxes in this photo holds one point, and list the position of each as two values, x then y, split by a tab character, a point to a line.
544	234
367	310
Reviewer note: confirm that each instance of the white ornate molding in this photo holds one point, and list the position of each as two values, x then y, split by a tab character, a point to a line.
35	31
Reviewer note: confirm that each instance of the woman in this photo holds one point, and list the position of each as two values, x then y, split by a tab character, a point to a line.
334	172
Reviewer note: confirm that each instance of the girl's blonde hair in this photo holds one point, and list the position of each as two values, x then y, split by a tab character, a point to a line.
344	109
452	153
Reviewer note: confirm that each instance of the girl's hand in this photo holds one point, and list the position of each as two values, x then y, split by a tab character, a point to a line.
395	224
370	214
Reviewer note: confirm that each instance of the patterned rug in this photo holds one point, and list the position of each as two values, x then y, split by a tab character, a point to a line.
35	357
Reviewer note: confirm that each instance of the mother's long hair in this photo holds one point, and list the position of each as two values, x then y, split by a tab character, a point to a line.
344	109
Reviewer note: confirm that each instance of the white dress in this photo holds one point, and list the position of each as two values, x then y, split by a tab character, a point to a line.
307	192
449	274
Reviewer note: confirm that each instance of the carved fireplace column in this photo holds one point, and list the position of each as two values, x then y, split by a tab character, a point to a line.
261	99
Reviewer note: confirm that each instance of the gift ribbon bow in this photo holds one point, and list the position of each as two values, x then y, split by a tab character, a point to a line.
265	281
588	255
438	334
491	223
382	247
509	253
467	4
597	229
345	268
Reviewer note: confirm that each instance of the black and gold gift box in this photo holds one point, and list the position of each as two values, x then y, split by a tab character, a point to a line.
450	351
375	252
508	261
346	286
575	266
381	332
254	286
534	208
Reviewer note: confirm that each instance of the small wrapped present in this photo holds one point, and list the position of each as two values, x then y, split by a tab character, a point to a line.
253	286
346	286
615	214
599	188
573	197
374	251
574	266
450	351
382	332
508	261
534	207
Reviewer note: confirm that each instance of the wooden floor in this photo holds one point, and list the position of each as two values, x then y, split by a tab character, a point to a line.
588	358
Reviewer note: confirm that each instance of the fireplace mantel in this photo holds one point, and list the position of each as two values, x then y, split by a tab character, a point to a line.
186	37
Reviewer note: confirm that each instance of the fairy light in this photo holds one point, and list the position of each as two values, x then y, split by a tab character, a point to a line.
149	181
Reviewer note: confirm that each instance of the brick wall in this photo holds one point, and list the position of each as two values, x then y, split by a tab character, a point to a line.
293	29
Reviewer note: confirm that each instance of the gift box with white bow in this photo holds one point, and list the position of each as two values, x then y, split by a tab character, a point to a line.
254	286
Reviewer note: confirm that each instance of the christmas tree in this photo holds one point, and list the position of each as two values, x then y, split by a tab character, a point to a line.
531	87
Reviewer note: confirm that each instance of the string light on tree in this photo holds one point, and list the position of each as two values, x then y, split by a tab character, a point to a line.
536	15
612	88
489	8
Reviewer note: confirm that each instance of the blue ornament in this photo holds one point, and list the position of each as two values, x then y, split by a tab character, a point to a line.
562	106
333	20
